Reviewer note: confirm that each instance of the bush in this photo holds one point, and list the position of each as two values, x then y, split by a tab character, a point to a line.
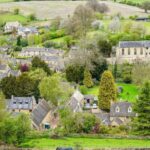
16	11
32	17
17	48
83	89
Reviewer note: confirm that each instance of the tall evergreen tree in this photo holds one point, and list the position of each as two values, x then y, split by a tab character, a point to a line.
87	79
141	124
107	91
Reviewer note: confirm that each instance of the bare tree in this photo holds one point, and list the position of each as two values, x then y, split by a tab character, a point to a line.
146	6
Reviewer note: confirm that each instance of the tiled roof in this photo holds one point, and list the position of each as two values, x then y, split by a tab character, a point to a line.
123	109
40	112
129	44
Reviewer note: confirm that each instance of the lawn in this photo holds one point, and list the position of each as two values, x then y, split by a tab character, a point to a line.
133	1
5	17
85	143
130	92
5	1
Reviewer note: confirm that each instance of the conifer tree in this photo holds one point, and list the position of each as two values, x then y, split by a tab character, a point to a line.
107	91
87	78
141	124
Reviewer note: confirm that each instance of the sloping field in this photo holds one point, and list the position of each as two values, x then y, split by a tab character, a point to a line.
51	9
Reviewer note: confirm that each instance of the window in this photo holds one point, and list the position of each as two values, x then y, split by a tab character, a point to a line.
123	51
129	109
117	109
141	51
135	51
129	51
14	102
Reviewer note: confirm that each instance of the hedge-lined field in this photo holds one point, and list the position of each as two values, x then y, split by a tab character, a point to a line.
85	143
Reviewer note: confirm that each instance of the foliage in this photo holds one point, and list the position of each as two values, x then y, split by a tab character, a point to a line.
2	102
55	23
14	130
38	63
87	78
107	91
75	73
17	48
127	72
96	6
141	124
54	90
32	17
146	6
140	72
24	68
16	11
20	86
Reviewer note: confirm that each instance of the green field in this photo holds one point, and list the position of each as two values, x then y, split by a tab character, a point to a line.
4	1
85	143
133	1
129	93
5	17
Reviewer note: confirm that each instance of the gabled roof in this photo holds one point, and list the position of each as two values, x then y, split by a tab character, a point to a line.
129	44
78	96
40	112
123	108
22	103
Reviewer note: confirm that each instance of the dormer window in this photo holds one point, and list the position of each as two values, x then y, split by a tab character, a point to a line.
129	110
117	109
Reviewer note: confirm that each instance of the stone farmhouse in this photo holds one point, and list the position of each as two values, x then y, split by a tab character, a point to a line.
21	104
11	26
131	51
41	116
27	31
120	114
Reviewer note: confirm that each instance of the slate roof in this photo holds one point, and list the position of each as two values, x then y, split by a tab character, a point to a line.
123	109
129	44
3	66
22	103
104	117
76	101
28	29
40	112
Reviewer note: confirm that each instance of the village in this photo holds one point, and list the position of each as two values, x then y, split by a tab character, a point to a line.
83	76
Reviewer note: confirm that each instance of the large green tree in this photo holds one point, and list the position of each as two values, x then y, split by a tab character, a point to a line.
87	78
107	91
54	90
38	63
141	124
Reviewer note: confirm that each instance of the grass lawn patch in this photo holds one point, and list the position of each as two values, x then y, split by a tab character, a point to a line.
130	92
6	17
5	1
85	143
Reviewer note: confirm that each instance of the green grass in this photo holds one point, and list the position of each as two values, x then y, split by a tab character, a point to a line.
6	17
130	92
85	143
133	1
5	1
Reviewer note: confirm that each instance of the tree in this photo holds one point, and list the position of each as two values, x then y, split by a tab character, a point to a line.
32	17
87	78
146	6
24	85
54	90
16	11
115	25
107	91
19	41
24	68
140	72
105	47
38	63
127	72
75	73
8	85
141	124
96	6
2	101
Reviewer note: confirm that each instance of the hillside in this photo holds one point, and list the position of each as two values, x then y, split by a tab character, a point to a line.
51	9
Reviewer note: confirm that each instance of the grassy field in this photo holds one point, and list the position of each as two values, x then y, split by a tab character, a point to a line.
5	1
133	1
129	93
85	143
52	9
5	17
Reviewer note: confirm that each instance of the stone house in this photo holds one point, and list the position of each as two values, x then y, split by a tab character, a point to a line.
131	51
21	104
41	116
120	114
11	26
76	102
90	102
27	31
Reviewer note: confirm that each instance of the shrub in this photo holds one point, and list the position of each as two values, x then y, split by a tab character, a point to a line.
32	17
16	11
